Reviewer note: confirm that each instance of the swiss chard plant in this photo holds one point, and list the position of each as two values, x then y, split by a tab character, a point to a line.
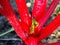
31	28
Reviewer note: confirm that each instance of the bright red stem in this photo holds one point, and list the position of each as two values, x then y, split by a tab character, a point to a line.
48	14
1	11
39	9
31	41
10	15
16	25
50	28
25	27
45	17
6	7
23	11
